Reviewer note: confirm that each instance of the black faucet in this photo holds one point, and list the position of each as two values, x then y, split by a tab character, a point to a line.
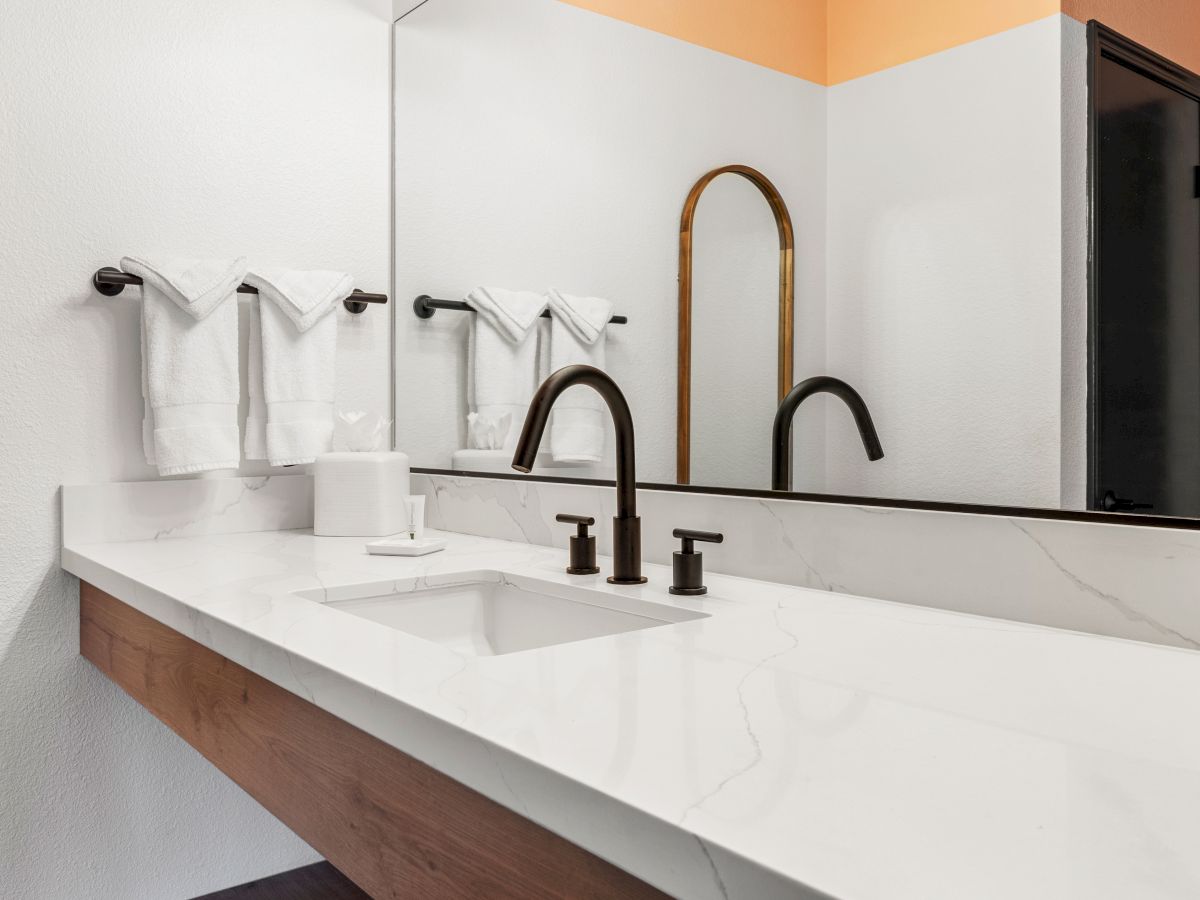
781	432
627	527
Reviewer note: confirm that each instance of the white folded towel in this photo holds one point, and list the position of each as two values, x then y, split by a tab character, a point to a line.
189	362
577	335
292	362
502	358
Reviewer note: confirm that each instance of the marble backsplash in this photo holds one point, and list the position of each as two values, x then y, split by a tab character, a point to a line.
1118	580
184	507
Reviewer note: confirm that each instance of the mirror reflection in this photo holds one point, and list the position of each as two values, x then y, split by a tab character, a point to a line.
884	286
736	246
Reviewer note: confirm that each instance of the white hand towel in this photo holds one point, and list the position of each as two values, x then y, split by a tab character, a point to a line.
255	442
502	357
293	354
189	362
578	326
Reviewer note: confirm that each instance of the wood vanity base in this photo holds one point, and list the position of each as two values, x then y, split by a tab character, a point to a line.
393	825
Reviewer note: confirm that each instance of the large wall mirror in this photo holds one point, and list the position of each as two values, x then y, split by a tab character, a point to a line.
1009	349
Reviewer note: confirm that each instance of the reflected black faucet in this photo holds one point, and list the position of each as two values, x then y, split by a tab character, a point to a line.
627	527
781	432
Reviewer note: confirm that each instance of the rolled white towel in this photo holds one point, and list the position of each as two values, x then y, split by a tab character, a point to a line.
189	362
578	329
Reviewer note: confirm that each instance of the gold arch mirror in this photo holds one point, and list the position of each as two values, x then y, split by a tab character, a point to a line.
787	287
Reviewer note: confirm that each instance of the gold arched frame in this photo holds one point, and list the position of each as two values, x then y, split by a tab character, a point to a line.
787	291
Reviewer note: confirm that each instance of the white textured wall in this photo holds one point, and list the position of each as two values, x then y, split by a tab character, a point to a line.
1074	98
945	272
539	144
256	127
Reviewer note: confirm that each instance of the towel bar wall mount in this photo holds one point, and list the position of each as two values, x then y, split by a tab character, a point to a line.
110	282
425	306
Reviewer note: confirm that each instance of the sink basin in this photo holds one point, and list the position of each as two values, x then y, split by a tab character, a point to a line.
493	617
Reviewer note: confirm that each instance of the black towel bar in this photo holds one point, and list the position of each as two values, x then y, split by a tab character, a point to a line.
110	282
425	306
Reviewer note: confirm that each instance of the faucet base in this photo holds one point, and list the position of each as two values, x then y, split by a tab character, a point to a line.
627	551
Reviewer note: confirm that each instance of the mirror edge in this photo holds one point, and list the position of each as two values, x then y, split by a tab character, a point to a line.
976	509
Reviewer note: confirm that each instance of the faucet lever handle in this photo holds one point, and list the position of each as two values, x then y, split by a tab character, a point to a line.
583	545
575	520
687	565
687	535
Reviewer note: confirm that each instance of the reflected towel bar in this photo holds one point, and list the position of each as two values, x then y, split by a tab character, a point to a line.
425	306
110	282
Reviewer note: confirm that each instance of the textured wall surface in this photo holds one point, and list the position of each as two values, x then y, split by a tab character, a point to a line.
256	127
945	272
1074	98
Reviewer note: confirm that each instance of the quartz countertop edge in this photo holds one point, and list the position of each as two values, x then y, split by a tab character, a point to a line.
795	743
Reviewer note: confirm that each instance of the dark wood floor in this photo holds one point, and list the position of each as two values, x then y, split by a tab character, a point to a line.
320	881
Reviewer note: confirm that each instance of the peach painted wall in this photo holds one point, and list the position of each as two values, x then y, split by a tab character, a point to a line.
866	36
785	35
1169	27
831	41
825	41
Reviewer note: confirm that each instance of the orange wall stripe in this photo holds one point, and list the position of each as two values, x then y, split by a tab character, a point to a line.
1168	27
785	35
831	41
868	36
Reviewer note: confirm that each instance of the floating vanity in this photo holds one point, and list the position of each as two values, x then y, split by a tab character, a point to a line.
477	721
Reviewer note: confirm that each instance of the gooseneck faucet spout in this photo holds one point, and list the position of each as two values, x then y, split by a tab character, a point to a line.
627	528
781	432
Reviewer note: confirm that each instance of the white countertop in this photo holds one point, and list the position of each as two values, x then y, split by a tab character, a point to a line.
796	742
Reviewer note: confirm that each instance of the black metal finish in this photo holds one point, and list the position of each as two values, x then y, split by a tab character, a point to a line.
973	509
781	432
425	306
1110	502
110	282
1143	428
627	533
583	545
687	566
689	536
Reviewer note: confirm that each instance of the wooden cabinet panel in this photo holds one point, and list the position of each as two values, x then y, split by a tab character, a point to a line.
393	825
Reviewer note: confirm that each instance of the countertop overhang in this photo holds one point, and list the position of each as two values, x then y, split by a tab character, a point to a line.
797	743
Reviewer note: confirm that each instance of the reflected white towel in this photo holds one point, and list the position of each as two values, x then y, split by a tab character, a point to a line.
292	362
189	362
502	357
578	329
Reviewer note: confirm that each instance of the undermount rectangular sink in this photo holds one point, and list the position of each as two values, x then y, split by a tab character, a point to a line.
494	617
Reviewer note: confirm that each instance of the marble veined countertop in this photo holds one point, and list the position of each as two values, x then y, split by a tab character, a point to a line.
796	743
